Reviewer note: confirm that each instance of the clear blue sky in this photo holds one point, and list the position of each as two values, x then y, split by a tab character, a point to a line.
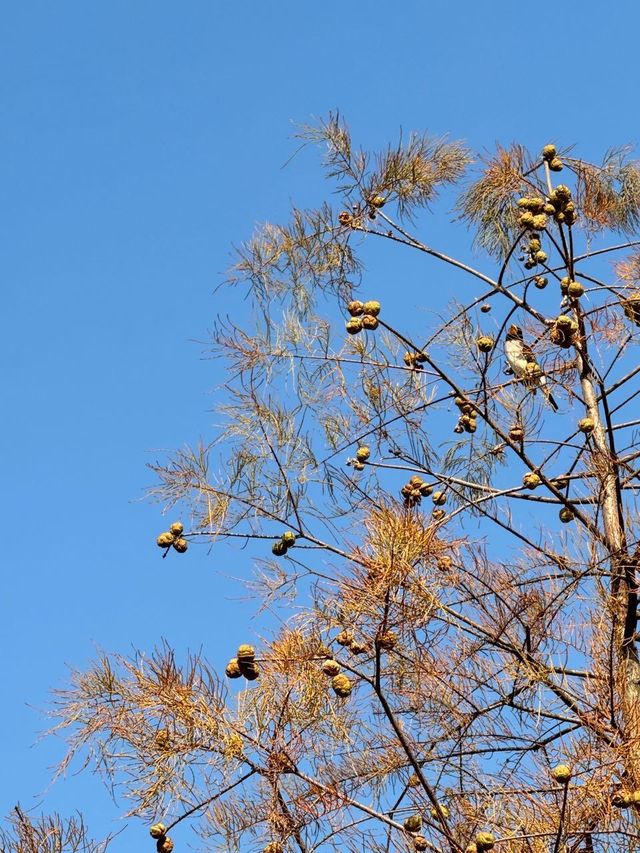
138	142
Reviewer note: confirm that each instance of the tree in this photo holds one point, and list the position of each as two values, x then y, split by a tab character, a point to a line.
458	669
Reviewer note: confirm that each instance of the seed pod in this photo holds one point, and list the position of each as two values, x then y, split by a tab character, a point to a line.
279	549
586	425
378	201
485	841
541	282
531	480
563	192
341	685
369	322
485	308
387	640
445	563
539	221
158	830
631	307
413	823
471	848
164	844
540	257
534	245
372	307
622	799
331	667
438	514
176	528
165	540
358	648
273	847
246	653
566	515
559	217
358	466
233	669
439	498
345	638
425	490
560	337
249	669
413	781
575	289
561	773
549	209
439	811
458	428
162	739
354	325
355	308
181	545
363	453
549	152
556	165
484	343
420	842
288	538
526	219
345	218
516	433
564	322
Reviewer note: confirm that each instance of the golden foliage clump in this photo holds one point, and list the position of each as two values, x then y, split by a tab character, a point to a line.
132	709
291	670
395	544
488	203
411	174
608	195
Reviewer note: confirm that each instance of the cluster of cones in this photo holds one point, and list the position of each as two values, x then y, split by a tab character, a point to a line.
564	330
243	664
415	490
364	315
534	253
468	420
286	541
362	455
173	536
163	843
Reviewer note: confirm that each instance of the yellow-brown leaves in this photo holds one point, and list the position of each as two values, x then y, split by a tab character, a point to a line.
609	194
395	543
488	202
148	711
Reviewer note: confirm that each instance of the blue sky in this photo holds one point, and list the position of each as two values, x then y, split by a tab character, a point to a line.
139	141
